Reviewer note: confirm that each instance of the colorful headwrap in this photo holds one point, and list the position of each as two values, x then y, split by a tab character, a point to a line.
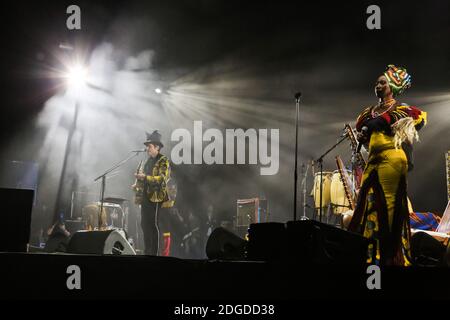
399	80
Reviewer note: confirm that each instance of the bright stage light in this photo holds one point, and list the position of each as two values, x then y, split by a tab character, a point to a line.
77	75
158	90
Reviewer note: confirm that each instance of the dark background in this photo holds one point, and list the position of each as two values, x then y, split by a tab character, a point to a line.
266	51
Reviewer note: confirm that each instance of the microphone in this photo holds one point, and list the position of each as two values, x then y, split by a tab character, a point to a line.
142	150
298	95
358	148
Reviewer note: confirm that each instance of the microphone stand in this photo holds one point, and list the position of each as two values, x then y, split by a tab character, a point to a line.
297	108
103	185
320	162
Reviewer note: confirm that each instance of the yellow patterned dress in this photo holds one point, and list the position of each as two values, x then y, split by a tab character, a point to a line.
381	212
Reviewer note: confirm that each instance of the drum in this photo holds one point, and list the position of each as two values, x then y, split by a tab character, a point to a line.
326	187
114	215
90	216
339	201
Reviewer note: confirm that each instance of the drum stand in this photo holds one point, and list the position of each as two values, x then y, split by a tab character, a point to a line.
320	162
330	209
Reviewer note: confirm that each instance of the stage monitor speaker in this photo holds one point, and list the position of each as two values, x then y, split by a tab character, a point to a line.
225	245
305	242
426	251
312	241
266	241
100	242
15	219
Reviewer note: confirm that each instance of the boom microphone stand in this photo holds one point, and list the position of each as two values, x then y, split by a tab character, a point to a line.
297	108
103	177
320	162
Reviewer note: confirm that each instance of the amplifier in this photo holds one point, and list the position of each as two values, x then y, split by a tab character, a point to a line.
251	211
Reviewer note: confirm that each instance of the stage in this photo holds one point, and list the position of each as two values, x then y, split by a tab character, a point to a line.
46	276
222	151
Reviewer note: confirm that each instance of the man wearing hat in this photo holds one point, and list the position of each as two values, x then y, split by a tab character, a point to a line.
155	177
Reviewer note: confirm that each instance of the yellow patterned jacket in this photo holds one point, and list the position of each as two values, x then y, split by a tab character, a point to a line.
156	183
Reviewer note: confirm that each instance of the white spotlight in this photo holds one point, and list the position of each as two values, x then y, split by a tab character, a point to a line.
77	75
158	90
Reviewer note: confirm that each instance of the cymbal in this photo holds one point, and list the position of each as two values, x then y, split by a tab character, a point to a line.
108	204
115	200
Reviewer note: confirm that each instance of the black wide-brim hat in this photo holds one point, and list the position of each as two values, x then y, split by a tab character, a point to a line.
154	138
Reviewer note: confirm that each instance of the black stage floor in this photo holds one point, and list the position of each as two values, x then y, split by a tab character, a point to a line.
44	276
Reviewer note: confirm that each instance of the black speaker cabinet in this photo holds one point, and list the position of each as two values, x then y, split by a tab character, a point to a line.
312	241
100	242
305	242
225	245
266	241
15	219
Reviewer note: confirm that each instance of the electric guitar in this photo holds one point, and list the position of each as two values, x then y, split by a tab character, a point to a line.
138	186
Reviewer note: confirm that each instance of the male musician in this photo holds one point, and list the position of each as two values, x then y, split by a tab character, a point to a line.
155	176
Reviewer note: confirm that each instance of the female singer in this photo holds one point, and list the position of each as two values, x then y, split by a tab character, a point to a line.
388	130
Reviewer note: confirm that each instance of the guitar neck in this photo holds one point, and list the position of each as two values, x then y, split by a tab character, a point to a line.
139	167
